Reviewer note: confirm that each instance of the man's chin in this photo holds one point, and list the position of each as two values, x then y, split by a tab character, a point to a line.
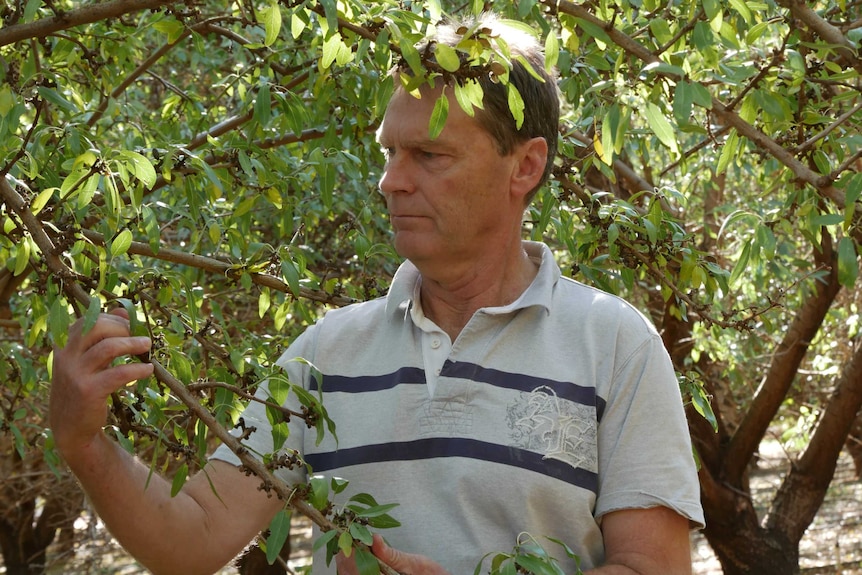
408	246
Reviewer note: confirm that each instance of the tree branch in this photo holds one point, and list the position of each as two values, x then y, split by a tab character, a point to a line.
76	292
14	200
220	267
802	172
779	377
807	144
85	15
805	485
827	32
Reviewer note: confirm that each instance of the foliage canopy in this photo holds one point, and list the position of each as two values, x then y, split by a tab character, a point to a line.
213	167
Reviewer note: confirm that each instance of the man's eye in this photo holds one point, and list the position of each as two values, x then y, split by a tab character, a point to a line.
428	155
388	152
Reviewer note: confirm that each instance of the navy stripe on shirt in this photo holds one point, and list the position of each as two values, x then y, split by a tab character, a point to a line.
366	383
463	370
526	383
432	448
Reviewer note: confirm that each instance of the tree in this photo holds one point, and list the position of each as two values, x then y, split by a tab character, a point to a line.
213	169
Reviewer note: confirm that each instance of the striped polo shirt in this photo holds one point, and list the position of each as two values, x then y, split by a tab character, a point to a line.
542	416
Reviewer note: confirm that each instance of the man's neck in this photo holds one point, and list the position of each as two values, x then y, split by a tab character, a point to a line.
452	300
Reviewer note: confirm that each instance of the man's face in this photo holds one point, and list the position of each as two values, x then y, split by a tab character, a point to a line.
448	198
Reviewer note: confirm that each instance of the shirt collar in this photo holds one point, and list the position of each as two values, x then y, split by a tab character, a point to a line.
405	284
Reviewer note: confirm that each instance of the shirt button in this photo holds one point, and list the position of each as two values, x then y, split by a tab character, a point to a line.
435	343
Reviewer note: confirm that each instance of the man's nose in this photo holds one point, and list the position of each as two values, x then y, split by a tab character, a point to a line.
397	176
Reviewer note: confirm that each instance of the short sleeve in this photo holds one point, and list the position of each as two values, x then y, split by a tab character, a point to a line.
644	447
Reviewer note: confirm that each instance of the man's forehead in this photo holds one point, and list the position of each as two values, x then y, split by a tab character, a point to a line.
408	119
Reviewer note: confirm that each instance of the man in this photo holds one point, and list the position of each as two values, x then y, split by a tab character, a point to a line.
486	394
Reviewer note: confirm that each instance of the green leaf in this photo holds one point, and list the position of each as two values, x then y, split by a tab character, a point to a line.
848	269
361	533
326	178
374	511
22	257
330	9
661	127
271	19
182	367
366	562
263	104
319	496
31	9
383	522
140	166
683	100
469	96
363	499
741	7
701	95
136	327
438	116
121	243
91	315
338	484
180	477
702	405
290	274
536	565
594	30
59	321
552	50
324	539
447	57
41	199
741	264
171	28
516	104
345	543
263	302
55	98
651	230
728	151
279	531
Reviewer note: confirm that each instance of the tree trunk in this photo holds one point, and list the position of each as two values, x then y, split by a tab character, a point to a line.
756	552
854	445
20	555
733	530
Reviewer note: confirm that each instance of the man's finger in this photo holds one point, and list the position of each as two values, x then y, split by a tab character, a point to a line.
101	354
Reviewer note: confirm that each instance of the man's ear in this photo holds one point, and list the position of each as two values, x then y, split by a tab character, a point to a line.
531	156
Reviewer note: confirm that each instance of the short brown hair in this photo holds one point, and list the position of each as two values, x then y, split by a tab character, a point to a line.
541	99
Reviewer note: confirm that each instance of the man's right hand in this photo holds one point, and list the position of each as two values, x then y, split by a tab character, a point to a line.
84	377
195	531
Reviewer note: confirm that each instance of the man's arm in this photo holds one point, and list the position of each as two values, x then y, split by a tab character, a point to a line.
652	541
637	542
217	512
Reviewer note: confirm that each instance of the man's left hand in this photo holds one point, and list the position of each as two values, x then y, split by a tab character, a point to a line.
403	563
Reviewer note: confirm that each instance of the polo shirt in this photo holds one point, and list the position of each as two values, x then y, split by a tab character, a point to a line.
541	417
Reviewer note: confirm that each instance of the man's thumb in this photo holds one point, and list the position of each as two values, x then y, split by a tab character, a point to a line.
386	553
405	563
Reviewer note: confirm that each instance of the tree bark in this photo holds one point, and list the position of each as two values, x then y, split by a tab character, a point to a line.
253	561
742	544
805	485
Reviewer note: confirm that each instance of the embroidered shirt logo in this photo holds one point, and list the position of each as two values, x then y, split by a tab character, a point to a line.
557	428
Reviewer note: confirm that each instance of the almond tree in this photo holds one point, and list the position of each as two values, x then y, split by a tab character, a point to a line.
213	168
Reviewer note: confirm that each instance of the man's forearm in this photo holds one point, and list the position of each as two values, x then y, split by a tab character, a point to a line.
624	570
166	534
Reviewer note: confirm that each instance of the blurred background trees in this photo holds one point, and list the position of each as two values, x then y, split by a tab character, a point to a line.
213	166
